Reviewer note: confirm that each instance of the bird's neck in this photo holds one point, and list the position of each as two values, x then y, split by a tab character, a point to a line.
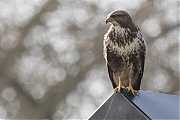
118	29
121	35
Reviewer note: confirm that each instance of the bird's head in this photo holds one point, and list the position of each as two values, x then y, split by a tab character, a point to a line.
118	17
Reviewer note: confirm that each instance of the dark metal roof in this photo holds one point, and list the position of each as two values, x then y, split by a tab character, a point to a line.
145	105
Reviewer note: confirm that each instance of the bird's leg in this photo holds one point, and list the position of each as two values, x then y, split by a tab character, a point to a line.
130	88
119	86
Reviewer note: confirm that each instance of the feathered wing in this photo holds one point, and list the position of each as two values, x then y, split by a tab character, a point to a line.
140	70
106	56
139	63
110	72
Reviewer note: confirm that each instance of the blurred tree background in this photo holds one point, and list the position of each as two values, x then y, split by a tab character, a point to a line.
51	61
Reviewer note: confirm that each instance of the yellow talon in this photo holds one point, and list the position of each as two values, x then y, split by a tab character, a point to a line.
130	88
119	87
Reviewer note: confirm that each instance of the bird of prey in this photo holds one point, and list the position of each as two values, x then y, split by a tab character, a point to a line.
124	52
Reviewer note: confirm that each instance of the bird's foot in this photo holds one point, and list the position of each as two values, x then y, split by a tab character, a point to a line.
130	88
118	88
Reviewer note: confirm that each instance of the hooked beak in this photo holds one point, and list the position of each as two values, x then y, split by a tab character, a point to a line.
108	20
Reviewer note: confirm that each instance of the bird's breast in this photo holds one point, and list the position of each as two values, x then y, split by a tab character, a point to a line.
125	49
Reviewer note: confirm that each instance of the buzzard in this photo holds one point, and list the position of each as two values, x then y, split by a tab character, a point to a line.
124	52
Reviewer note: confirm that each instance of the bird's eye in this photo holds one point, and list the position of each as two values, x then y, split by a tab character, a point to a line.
114	16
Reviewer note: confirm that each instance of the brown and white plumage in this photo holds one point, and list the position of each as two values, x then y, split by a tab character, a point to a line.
124	51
